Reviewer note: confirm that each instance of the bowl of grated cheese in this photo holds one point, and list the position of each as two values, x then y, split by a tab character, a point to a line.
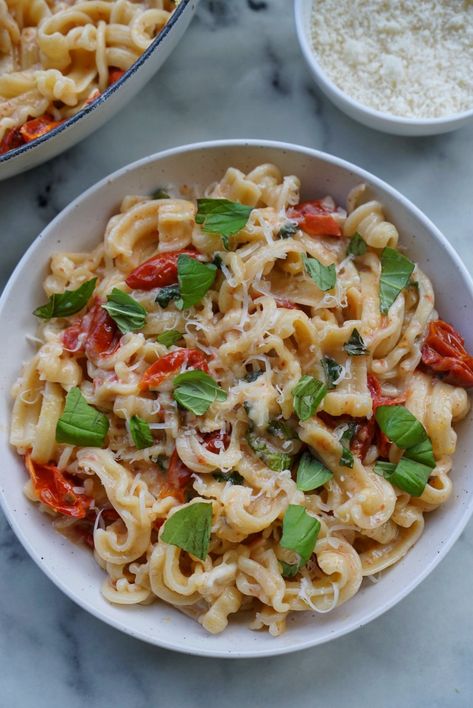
398	67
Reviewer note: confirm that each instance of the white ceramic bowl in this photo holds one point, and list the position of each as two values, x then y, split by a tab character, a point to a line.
81	226
386	122
114	98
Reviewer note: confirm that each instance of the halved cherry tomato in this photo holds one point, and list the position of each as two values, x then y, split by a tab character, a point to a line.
369	431
178	477
55	490
444	352
95	334
315	218
36	127
158	271
12	139
170	364
216	441
114	74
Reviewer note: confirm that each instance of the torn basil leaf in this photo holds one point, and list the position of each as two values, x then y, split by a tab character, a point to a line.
299	532
323	276
232	477
125	311
355	345
332	371
357	246
189	528
140	432
272	458
288	229
166	294
346	458
196	391
81	424
307	395
311	473
170	337
396	271
408	475
67	303
195	279
223	217
400	426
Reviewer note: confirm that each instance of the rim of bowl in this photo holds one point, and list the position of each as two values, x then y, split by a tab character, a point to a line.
100	100
311	57
462	518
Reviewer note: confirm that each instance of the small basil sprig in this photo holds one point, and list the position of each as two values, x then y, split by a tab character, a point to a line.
422	453
81	424
232	477
299	533
221	216
400	426
357	246
332	371
168	338
140	432
346	458
126	312
274	459
166	294
355	345
196	391
280	429
323	276
311	473
195	278
160	193
408	475
307	395
396	271
288	229
67	303
189	528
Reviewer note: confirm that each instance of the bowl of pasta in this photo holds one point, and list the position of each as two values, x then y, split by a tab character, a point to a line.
242	399
67	68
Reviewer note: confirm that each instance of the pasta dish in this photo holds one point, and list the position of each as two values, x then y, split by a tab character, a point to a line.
241	401
57	56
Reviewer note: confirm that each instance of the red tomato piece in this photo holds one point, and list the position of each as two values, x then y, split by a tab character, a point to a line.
178	477
55	490
444	352
12	139
158	271
379	400
216	441
315	218
114	74
170	364
36	127
94	335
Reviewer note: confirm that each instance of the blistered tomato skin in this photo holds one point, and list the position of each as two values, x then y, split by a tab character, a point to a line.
95	334
55	491
171	364
158	271
444	352
315	218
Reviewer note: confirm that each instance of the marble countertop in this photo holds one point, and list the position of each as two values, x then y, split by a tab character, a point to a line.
238	73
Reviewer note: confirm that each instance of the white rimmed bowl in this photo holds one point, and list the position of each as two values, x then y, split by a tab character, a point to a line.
112	100
81	226
386	122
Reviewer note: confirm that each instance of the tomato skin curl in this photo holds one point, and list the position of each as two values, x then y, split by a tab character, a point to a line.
444	352
170	364
158	271
95	334
55	491
314	218
178	478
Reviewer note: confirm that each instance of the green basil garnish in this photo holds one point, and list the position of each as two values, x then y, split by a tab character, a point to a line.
272	458
166	294
195	278
289	570
160	194
81	424
311	473
308	394
280	429
332	371
323	276
170	337
422	453
196	391
346	458
355	345
299	532
232	477
67	303
189	528
408	475
400	426
128	314
221	216
288	229
357	246
396	271
140	432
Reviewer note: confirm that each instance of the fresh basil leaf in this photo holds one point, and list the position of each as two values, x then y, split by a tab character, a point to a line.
140	432
323	276
280	429
396	271
384	469
166	294
128	314
196	391
81	424
308	394
189	528
170	337
195	278
288	229
232	477
332	371
299	532
221	216
408	475
355	345
311	473
422	453
160	194
400	426
67	303
346	458
289	570
274	459
357	246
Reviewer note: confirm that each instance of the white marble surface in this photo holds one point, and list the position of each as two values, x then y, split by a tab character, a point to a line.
238	73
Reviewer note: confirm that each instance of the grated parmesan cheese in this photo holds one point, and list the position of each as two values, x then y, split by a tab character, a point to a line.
410	58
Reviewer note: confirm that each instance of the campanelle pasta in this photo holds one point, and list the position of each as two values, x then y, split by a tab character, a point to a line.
241	402
55	57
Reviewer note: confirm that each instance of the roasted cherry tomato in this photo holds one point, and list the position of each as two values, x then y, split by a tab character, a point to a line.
444	352
372	431
114	74
158	271
216	441
315	219
95	334
178	477
170	364
36	127
55	490
12	139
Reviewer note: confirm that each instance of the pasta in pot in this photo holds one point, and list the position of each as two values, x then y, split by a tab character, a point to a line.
56	57
233	399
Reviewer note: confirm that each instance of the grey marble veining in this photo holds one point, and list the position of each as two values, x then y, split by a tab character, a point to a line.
238	73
